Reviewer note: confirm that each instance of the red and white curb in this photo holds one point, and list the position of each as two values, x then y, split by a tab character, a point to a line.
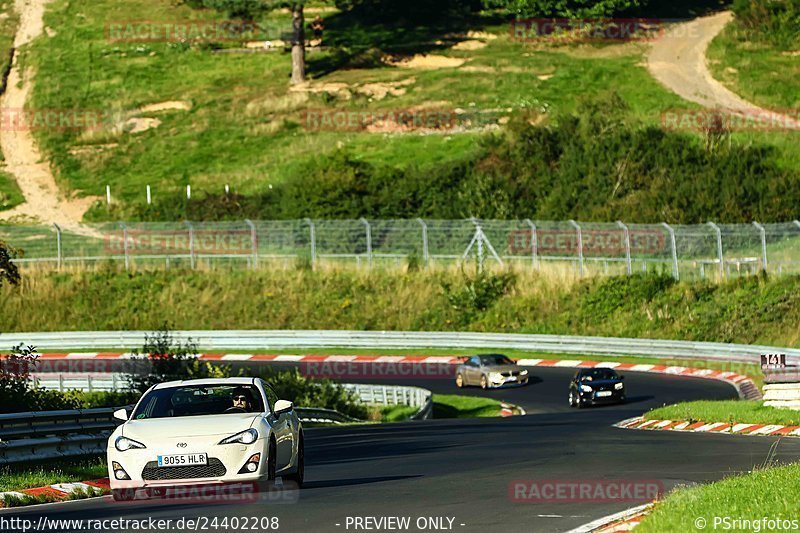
760	430
618	522
61	491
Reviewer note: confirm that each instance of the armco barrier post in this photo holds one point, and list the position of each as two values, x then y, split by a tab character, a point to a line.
627	234
369	240
579	233
58	244
125	244
425	251
313	240
719	250
763	233
191	242
254	241
534	245
675	272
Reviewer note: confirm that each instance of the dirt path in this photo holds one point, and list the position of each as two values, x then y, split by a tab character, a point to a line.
678	60
43	200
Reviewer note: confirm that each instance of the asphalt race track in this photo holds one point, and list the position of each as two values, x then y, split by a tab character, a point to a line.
462	469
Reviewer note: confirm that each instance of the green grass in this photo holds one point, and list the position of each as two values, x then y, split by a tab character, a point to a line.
757	71
729	411
242	128
31	475
455	406
762	493
10	194
396	413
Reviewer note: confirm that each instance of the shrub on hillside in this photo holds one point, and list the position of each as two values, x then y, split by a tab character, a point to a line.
314	392
773	21
597	164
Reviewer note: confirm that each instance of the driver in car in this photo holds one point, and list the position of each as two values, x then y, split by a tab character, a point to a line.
241	402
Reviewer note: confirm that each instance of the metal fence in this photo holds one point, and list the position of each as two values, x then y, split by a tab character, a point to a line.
705	250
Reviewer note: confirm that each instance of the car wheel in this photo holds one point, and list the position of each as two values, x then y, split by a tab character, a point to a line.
299	475
484	382
459	381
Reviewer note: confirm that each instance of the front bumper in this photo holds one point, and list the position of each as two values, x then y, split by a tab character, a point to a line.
508	382
592	398
224	464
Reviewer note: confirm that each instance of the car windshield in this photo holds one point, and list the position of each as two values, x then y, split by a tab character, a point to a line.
196	400
598	374
495	359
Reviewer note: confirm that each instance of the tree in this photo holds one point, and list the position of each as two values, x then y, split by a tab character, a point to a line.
571	9
252	9
8	270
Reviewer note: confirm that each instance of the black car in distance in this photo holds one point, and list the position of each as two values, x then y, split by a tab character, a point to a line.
591	386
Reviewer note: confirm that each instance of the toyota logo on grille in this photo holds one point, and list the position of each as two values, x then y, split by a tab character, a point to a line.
182	445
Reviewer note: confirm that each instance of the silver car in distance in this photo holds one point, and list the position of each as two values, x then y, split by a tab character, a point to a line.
489	371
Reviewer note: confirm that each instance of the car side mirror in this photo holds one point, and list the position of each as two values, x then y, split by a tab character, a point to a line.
283	406
121	414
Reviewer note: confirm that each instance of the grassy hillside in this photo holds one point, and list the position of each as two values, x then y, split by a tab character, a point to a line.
10	194
752	310
245	128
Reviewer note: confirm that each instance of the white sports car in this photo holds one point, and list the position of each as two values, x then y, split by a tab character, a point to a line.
205	431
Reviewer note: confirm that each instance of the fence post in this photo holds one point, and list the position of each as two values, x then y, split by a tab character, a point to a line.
627	246
313	236
425	252
675	273
254	241
125	244
534	244
580	242
191	243
719	249
58	244
149	198
369	240
763	233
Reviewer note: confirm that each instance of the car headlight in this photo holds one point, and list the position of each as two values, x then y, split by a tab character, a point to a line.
618	386
586	388
248	436
124	444
495	376
523	373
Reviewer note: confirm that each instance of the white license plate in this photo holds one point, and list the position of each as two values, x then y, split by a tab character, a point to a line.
603	393
183	459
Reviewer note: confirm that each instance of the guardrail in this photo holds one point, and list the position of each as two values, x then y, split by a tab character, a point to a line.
369	394
267	339
53	434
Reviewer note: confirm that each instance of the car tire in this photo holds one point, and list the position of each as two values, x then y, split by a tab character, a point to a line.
572	399
484	382
299	475
459	381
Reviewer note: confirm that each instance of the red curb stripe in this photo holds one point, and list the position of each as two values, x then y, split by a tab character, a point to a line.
751	428
103	483
45	491
720	428
785	430
695	425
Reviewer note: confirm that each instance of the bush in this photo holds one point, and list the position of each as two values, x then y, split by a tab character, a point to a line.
477	294
313	392
163	359
774	21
